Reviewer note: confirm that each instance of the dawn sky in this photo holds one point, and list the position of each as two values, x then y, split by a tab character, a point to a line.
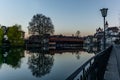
68	16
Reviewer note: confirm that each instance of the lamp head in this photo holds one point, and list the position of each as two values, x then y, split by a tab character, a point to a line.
104	12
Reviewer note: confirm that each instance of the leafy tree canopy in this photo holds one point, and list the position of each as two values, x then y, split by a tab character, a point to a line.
1	35
40	25
77	33
14	35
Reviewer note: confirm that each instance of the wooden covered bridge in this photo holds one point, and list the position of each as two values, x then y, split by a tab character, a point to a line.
60	42
55	41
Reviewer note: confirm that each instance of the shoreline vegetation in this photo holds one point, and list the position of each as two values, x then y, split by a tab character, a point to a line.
11	36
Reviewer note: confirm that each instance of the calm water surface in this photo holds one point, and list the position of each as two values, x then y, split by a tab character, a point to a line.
19	64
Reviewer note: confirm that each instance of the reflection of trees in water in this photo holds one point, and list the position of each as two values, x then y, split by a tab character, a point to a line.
13	57
78	54
1	59
40	63
93	49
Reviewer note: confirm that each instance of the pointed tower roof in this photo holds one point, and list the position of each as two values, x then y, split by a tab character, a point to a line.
106	23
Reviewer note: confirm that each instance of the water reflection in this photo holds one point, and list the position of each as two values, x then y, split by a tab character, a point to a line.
78	53
92	49
57	63
40	63
11	56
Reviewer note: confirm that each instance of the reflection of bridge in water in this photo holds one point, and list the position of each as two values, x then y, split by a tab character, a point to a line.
54	51
42	61
63	51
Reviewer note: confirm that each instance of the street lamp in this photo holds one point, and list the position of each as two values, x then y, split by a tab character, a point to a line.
104	14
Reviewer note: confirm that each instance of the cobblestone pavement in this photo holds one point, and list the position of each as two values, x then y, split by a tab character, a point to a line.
113	68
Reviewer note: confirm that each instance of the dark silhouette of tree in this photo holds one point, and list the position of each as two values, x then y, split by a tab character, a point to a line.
40	63
40	25
1	35
77	33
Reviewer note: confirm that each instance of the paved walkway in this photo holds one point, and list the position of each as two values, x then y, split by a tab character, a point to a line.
113	68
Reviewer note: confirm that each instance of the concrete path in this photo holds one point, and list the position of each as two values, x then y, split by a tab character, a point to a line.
113	68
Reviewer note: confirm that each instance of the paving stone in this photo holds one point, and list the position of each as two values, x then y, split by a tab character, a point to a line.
113	68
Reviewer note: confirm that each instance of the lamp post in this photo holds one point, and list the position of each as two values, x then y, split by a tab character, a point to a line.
104	14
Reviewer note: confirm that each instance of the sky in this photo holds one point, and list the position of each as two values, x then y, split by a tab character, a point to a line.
67	16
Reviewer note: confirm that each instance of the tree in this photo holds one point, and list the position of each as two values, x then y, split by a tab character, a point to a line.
77	33
40	24
14	34
1	36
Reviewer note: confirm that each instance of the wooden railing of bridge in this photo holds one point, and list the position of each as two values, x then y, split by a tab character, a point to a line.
94	68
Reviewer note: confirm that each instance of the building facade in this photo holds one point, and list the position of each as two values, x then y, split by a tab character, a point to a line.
112	34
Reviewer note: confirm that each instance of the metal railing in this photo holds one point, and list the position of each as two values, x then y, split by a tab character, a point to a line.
94	68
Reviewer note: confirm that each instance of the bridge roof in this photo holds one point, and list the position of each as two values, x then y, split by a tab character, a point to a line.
65	38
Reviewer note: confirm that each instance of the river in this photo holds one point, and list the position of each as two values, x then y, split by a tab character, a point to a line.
20	64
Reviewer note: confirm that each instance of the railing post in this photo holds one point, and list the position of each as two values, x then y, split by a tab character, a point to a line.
95	64
83	71
84	74
81	78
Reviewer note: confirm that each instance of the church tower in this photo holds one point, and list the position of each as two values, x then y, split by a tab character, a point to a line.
106	25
